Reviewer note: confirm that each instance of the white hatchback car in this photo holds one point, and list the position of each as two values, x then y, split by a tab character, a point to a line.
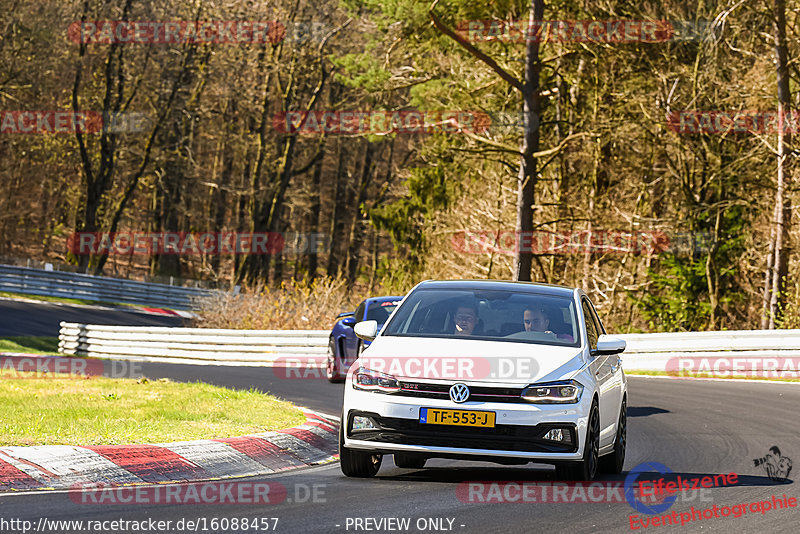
507	372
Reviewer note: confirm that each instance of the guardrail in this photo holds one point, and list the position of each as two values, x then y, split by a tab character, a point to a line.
268	348
308	348
97	288
662	351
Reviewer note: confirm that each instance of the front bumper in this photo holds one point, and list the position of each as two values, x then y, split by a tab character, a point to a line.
518	433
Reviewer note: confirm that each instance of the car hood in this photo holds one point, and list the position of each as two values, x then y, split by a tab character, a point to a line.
470	361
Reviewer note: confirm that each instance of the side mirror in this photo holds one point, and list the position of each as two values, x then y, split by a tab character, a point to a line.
349	321
609	345
366	330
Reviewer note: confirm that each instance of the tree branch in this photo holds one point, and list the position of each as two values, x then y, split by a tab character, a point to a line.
469	47
311	162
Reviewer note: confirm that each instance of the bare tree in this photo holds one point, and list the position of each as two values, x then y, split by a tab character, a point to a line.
774	295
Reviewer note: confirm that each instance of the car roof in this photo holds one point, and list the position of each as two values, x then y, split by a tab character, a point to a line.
500	285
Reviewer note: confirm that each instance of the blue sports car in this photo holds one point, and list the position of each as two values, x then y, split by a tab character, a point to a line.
343	345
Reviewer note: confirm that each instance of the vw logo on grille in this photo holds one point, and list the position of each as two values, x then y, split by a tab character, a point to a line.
459	393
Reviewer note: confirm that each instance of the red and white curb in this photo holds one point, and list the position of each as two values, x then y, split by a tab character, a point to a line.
132	308
63	466
164	311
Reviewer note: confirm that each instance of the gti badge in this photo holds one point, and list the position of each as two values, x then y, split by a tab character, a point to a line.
459	393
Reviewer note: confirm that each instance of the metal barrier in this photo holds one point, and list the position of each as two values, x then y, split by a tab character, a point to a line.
663	351
207	346
308	348
97	288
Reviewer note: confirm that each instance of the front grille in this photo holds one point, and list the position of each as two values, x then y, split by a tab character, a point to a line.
500	438
476	393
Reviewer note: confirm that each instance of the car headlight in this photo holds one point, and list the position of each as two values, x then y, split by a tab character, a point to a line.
369	380
565	392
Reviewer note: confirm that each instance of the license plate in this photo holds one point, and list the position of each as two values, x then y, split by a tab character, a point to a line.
435	416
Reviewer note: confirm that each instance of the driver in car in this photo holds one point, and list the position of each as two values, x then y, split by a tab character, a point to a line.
536	320
465	318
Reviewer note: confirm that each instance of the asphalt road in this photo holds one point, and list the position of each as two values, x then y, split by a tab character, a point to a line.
25	318
693	428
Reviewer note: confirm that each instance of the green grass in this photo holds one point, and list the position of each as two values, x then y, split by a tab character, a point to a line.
110	411
29	344
685	374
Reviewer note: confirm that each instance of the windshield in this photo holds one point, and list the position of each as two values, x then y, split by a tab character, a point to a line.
488	315
380	311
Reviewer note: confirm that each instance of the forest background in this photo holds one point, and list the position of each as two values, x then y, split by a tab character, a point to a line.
648	159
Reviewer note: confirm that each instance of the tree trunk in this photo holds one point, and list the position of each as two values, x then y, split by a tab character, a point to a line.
783	214
357	227
712	275
526	180
220	196
529	89
339	211
375	261
316	204
169	197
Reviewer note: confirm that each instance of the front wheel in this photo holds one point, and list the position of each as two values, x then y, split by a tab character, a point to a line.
332	364
612	463
585	469
356	463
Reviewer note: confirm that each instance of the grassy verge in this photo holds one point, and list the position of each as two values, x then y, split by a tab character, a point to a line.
29	344
110	411
711	375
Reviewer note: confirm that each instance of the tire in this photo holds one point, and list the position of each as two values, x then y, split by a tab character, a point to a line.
585	469
409	461
612	463
332	364
357	463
